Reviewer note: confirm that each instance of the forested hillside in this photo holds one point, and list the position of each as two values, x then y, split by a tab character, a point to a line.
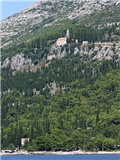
83	112
70	101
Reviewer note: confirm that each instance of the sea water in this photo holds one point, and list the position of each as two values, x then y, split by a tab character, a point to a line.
63	157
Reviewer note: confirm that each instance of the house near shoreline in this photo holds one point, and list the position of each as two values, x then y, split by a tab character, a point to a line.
24	140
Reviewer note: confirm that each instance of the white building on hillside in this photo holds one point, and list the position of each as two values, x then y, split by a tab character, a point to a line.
85	43
61	41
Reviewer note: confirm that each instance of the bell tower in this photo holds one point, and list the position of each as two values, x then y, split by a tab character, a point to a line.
67	34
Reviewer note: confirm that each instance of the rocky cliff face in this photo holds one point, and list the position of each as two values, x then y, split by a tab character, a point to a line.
101	51
17	62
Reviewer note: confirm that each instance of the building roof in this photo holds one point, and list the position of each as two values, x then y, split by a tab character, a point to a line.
63	38
24	139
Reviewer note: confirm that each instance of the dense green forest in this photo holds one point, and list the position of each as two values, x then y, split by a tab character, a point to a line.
82	112
85	114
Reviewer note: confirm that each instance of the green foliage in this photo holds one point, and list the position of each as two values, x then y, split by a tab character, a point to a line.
72	103
84	113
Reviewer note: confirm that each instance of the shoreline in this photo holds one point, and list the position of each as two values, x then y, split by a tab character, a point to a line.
79	152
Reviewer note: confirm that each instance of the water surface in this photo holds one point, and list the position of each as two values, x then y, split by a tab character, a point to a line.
62	157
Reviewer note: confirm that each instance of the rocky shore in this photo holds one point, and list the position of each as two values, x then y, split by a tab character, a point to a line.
79	152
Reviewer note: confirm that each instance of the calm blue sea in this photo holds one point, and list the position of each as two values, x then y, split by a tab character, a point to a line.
61	157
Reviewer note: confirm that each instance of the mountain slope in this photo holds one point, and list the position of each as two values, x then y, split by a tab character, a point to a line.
61	97
70	104
42	14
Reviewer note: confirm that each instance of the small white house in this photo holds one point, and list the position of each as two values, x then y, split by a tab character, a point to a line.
85	43
76	41
23	140
61	41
